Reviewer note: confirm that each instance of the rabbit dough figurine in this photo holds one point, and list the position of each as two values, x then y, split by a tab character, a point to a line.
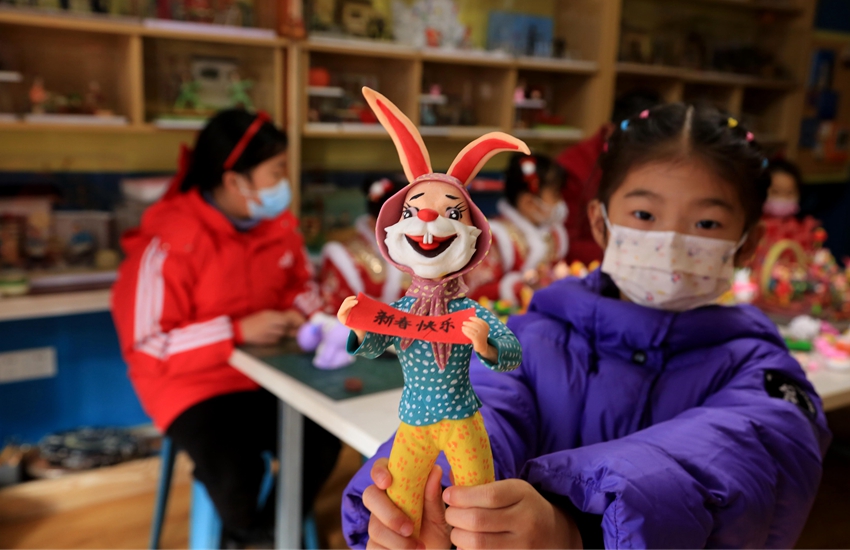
432	230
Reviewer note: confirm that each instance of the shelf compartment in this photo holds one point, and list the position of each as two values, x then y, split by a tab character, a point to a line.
347	73
68	61
168	63
555	103
477	95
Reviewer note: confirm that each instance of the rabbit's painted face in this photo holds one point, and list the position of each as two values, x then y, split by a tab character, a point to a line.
435	235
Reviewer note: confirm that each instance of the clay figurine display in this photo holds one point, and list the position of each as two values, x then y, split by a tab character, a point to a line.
38	95
239	92
432	230
187	97
47	102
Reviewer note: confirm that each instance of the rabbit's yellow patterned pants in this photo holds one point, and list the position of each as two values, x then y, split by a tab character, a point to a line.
415	449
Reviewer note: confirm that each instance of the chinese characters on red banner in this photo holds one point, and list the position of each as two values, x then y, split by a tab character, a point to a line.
373	316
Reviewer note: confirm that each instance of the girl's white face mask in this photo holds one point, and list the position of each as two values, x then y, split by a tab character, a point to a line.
668	270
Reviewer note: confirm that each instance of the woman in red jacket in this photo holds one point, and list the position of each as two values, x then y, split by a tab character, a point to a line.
216	263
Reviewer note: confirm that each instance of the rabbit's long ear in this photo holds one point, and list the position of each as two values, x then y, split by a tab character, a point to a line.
470	160
411	149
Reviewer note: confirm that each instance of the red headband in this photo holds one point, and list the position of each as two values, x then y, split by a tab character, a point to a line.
246	138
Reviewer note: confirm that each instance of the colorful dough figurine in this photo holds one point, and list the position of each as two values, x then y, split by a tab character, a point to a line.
432	230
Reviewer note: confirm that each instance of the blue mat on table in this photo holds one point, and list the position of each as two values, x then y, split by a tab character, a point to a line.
376	375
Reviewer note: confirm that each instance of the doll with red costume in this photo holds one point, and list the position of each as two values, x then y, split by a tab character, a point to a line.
529	236
355	264
432	230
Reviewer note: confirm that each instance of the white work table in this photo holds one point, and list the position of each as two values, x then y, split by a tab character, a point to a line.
362	422
367	421
832	386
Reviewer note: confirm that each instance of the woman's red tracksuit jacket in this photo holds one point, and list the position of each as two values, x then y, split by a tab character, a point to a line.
188	277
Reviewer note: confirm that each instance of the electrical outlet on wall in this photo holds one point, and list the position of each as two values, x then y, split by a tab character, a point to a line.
27	364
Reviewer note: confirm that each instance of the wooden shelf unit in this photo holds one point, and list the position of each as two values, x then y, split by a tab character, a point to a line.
581	89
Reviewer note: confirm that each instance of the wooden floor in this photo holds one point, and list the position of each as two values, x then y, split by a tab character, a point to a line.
124	522
88	517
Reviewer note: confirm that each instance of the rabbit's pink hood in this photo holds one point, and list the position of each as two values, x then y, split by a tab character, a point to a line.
417	167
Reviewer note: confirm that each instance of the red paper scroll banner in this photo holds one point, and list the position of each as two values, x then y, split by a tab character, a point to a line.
373	316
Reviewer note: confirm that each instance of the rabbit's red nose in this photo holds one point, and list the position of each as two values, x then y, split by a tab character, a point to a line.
427	215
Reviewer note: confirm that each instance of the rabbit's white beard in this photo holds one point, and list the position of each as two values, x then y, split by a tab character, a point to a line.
433	249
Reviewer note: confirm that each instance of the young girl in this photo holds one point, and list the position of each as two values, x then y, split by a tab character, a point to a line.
219	262
642	415
529	238
781	217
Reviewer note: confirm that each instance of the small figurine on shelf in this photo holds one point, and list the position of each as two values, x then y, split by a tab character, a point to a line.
187	98
81	247
38	96
239	92
36	246
94	100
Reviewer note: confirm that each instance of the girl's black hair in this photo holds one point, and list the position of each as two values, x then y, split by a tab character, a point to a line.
780	165
218	139
549	175
675	131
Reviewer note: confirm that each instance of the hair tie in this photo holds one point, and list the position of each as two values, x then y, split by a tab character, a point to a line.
764	163
750	136
624	125
605	147
732	122
644	113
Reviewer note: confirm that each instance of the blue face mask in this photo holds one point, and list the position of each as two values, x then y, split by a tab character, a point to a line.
273	201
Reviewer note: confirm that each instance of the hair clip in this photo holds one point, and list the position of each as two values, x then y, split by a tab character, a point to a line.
644	113
624	125
764	163
750	136
732	122
528	166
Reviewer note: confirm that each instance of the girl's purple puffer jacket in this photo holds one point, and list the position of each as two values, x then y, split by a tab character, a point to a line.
686	430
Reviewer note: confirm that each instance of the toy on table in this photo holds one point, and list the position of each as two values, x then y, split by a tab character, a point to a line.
833	349
432	230
327	337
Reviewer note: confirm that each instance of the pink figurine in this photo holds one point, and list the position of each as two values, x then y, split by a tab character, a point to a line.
38	95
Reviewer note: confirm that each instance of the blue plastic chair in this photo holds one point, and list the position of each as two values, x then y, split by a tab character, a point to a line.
204	522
